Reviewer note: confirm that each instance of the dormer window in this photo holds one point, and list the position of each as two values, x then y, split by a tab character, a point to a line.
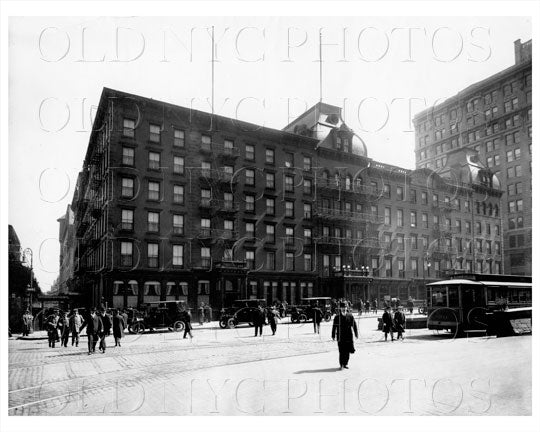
339	145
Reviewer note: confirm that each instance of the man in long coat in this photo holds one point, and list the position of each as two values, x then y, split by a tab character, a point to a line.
388	323
76	322
94	327
344	325
27	322
258	320
317	318
107	326
399	321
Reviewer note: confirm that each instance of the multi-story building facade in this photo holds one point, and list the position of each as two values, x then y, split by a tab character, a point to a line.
493	117
66	237
174	203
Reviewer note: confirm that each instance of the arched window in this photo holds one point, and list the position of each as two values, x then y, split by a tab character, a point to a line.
336	179
484	208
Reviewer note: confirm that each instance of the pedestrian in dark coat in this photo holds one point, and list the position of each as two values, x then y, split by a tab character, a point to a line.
360	307
187	324
399	322
118	326
317	318
94	327
344	325
375	305
63	326
367	307
410	305
388	323
107	326
258	320
273	316
52	329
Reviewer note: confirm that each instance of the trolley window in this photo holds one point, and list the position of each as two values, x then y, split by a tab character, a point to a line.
453	297
439	296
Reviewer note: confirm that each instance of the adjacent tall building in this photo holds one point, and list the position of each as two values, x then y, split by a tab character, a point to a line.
493	117
174	203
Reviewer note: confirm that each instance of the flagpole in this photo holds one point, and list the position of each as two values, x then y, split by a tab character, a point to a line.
213	72
320	66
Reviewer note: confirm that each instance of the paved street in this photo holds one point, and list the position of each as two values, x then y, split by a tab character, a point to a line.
231	372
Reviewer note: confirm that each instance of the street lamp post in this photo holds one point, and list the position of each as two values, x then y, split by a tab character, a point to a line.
30	286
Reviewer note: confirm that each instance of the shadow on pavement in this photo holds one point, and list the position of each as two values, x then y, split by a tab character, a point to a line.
336	369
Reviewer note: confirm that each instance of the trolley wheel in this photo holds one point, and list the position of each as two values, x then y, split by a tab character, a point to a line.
137	328
179	326
302	318
231	323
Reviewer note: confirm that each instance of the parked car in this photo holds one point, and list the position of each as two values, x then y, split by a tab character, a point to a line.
242	311
171	314
304	311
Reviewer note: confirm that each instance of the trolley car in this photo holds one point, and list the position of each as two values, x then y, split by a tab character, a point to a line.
466	301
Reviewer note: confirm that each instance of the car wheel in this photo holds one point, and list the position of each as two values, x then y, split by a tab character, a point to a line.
138	328
327	316
179	326
231	323
302	318
223	323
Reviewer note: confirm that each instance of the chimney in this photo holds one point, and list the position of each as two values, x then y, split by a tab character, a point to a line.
517	51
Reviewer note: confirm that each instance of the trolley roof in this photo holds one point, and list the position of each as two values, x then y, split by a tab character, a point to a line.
481	283
316	298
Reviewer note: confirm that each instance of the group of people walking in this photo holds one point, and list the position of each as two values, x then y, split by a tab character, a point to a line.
393	322
98	324
368	307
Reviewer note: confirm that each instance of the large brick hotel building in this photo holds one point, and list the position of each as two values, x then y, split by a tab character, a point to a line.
493	117
174	203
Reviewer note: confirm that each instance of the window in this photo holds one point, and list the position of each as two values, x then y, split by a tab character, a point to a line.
468	227
228	201
205	257
179	138
399	193
206	196
307	186
206	142
308	262
178	256
270	233
128	156
387	216
413	196
388	267
307	235
289	261
126	253
386	190
270	206
289	209
289	160
289	180
153	222
424	198
399	217
289	235
228	226
155	132
129	128
270	260
154	160
519	205
178	224
307	211
250	177
178	165
153	190
250	230
400	241
128	187
270	180
228	147
127	219
250	203
425	223
178	194
250	152
414	241
153	255
307	163
413	219
270	156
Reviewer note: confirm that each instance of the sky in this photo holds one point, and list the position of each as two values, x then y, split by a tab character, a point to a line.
379	70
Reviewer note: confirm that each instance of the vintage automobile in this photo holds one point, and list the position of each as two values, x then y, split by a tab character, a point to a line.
171	314
304	312
242	311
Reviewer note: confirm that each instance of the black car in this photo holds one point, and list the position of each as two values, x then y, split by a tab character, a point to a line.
242	311
171	314
304	312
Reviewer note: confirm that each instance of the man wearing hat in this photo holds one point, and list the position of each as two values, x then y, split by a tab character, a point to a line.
94	326
344	325
106	330
399	321
388	323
